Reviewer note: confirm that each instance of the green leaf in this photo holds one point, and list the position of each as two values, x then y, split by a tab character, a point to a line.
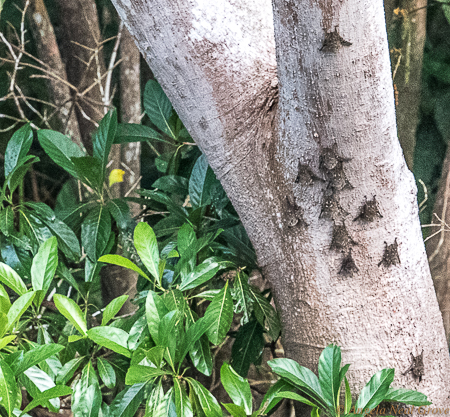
67	240
43	397
86	399
5	341
67	371
111	338
210	406
237	387
7	220
19	307
70	310
271	399
35	356
127	401
12	279
139	373
329	374
147	248
293	396
60	149
154	400
375	390
193	334
220	315
121	213
44	267
95	232
266	314
155	355
201	357
158	107
130	132
37	381
34	229
202	273
8	388
182	403
235	410
172	184
18	147
103	138
248	347
121	261
348	397
106	373
187	241
301	377
241	293
89	171
113	308
200	181
155	310
166	407
406	396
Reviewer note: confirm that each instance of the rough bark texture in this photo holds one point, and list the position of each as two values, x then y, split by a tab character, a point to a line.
407	31
438	247
216	62
48	52
82	38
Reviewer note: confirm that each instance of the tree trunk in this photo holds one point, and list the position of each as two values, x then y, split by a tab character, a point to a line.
334	113
84	61
406	23
48	52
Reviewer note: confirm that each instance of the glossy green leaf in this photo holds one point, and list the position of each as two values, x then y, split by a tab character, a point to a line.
111	338
70	310
43	397
36	381
147	248
241	293
139	373
89	400
18	147
113	308
193	335
265	314
158	107
106	373
166	408
172	184
154	399
8	388
155	355
5	341
271	398
301	377
182	403
43	268
201	357
155	310
16	176
7	220
237	387
35	356
220	316
210	406
60	149
406	396
375	390
296	397
128	400
95	232
329	373
3	324
248	347
186	241
11	278
121	261
348	397
130	132
89	171
103	138
235	410
120	211
34	229
19	307
201	274
200	181
67	371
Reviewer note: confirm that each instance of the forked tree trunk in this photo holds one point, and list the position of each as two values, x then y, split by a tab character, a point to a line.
333	112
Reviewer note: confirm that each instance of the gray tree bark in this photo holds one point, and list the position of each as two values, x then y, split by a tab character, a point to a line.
331	109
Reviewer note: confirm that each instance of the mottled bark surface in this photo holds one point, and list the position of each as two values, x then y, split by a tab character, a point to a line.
48	52
333	104
84	60
406	25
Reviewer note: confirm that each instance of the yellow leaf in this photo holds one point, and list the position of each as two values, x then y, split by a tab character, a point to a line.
116	176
